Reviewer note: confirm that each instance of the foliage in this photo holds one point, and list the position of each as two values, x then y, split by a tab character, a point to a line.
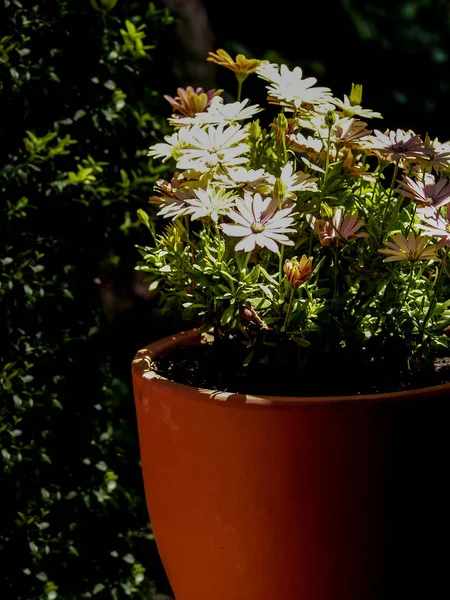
79	106
341	239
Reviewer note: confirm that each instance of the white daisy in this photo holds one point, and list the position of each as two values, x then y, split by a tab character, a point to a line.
294	182
220	114
210	203
289	89
349	110
240	177
172	148
312	146
258	223
214	146
174	193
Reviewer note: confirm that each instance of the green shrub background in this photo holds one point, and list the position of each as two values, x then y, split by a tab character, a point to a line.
79	106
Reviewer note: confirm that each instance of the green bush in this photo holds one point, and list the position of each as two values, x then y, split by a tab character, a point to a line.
79	106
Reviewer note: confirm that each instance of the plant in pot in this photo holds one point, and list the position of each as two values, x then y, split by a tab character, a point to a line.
294	438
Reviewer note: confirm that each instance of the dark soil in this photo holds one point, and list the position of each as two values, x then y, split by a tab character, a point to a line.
344	375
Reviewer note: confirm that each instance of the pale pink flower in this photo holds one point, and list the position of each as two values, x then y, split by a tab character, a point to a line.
397	145
258	223
427	191
240	177
340	229
189	102
349	131
173	194
436	224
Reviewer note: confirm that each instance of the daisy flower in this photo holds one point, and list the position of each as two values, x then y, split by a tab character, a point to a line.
242	64
220	114
173	147
173	194
189	102
349	131
350	110
297	271
436	225
439	156
259	224
288	88
340	229
293	182
397	145
411	249
210	203
426	192
208	148
240	177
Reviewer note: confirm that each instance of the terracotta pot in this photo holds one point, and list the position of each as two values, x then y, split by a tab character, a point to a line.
279	498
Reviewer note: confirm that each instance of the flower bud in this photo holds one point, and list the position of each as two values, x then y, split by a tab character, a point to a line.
330	118
356	94
281	122
279	191
255	129
297	271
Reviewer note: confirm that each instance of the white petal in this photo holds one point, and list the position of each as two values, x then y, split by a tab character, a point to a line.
247	243
235	230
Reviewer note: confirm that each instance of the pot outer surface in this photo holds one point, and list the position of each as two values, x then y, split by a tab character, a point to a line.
250	498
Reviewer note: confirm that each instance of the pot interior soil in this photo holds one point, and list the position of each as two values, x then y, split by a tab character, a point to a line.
346	373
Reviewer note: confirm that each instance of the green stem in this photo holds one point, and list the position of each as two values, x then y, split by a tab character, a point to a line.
435	291
247	258
241	77
411	221
284	149
394	177
288	313
327	160
411	273
281	264
335	254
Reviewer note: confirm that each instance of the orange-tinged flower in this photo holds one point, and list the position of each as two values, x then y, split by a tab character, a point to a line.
349	131
242	64
411	249
189	102
297	271
340	230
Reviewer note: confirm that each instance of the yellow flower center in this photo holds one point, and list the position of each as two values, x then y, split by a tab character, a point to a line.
257	227
447	228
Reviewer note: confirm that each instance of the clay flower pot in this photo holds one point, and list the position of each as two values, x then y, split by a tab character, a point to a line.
279	498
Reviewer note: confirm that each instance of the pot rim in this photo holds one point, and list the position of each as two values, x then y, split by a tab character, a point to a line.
143	366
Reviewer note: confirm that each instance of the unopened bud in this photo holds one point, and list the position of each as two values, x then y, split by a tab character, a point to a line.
356	94
255	129
279	189
330	118
297	271
281	122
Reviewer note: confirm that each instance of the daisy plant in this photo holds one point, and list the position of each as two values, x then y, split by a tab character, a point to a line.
310	241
